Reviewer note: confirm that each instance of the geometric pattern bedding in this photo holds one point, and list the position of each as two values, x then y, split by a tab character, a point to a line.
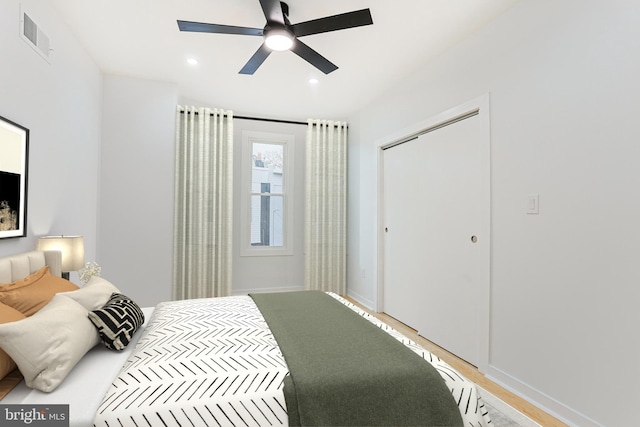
202	362
214	361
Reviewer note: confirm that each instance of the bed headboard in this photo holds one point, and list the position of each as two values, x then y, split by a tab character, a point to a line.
17	266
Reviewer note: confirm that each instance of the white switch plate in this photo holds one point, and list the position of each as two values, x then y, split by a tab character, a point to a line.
533	204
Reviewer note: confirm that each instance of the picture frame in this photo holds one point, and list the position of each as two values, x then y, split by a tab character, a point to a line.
14	167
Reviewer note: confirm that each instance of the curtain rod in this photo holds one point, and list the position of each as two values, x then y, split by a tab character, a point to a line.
263	119
291	122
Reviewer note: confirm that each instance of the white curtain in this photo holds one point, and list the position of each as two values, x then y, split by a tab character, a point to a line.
326	207
203	203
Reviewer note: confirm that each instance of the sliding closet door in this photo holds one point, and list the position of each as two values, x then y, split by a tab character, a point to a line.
436	238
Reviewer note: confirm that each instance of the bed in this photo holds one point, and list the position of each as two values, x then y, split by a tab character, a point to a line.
227	361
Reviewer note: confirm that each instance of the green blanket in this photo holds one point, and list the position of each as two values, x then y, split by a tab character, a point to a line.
346	371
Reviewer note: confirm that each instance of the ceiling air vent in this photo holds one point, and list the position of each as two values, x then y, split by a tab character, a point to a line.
34	36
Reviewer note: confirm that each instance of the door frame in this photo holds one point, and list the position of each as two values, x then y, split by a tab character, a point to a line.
480	104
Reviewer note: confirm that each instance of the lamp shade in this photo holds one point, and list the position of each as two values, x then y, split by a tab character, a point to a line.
71	247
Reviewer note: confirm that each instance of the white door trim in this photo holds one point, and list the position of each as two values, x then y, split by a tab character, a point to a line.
482	105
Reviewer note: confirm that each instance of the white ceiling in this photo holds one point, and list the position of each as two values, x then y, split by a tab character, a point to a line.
141	38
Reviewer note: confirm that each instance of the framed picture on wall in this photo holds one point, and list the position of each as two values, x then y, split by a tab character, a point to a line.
14	162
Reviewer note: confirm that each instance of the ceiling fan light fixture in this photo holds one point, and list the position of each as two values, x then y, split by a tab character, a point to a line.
280	34
278	39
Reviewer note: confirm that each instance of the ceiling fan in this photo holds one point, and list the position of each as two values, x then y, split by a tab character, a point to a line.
280	34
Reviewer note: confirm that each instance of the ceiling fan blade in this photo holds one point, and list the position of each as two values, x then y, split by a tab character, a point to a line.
313	57
272	11
343	21
256	60
201	27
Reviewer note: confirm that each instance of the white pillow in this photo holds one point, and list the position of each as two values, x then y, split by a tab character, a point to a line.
48	344
94	294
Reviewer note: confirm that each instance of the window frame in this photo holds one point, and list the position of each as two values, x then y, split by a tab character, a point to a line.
287	142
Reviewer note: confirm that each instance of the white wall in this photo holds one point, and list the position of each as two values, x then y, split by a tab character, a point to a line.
136	187
60	103
562	77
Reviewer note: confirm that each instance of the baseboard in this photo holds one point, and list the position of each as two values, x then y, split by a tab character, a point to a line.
540	399
367	303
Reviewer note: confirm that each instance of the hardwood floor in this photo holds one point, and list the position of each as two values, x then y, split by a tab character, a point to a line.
471	372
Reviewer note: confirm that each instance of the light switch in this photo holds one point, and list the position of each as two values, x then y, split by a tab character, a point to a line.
533	204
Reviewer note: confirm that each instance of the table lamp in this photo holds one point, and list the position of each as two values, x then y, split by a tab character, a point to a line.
71	247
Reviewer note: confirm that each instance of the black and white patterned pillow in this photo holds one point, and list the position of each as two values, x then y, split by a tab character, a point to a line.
117	321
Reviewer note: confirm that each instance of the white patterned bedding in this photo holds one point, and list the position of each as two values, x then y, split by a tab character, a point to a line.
200	362
210	362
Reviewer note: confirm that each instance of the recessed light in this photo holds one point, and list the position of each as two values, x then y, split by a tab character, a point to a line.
192	61
313	81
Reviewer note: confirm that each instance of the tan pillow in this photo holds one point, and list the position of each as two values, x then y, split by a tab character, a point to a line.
30	294
47	345
94	294
7	314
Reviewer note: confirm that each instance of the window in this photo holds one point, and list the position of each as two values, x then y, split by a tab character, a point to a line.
266	202
267	197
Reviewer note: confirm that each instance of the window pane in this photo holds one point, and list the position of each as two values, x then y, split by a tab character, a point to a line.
267	168
266	207
267	220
